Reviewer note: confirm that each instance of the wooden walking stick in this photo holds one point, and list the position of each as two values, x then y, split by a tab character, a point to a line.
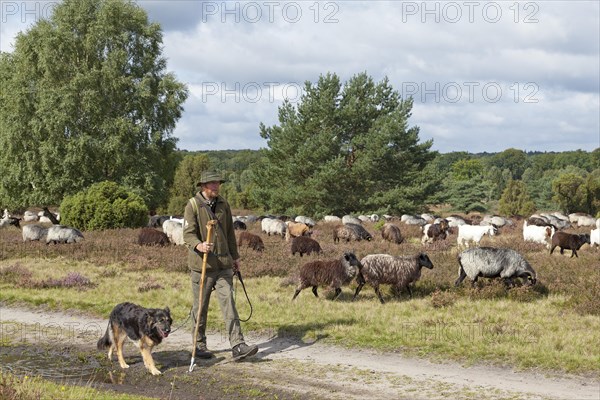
209	228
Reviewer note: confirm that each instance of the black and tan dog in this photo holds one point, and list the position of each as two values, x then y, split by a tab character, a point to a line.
146	327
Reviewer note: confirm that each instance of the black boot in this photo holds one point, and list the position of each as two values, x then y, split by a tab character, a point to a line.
202	351
242	351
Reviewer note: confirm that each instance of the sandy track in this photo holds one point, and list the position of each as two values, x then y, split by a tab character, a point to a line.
322	370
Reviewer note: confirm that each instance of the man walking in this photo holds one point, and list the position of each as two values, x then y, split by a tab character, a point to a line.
223	260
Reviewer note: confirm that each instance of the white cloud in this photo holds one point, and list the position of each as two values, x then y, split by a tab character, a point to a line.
450	56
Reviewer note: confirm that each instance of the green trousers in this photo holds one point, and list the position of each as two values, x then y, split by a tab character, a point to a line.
222	281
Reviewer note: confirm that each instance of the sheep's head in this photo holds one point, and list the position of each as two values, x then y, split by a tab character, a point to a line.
352	263
424	261
584	238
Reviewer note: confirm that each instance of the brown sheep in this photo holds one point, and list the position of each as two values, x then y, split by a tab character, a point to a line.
305	245
152	237
333	273
391	233
569	241
254	241
296	229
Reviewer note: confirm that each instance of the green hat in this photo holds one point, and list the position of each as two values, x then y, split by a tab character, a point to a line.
210	176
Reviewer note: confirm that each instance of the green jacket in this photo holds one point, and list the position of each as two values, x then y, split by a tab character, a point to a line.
223	236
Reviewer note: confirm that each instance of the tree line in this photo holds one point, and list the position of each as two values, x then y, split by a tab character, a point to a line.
86	98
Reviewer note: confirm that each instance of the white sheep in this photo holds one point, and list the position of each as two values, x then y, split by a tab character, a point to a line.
538	234
272	226
331	218
30	216
474	233
399	272
595	236
63	234
173	228
305	220
586	221
349	219
5	222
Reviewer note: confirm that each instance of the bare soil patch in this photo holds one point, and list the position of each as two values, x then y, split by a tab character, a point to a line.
284	368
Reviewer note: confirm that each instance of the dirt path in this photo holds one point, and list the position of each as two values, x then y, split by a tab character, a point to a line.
287	368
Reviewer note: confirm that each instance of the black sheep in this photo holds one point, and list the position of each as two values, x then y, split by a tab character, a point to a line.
239	225
305	245
333	273
569	241
152	237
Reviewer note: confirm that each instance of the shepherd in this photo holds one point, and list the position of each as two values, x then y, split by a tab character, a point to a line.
213	261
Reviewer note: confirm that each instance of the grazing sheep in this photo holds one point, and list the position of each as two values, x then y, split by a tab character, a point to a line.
152	237
305	245
349	219
494	220
455	221
239	225
333	273
8	221
34	232
54	218
467	233
491	262
415	221
295	229
331	218
272	226
569	241
30	216
360	231
586	220
253	241
391	233
436	231
63	234
595	236
345	233
537	234
399	272
156	221
173	228
305	220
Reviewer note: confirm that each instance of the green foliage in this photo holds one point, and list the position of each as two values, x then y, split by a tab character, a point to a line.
512	159
515	200
464	170
186	179
85	98
341	149
570	192
104	205
469	196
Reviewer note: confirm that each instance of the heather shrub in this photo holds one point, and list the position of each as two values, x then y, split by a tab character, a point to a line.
104	205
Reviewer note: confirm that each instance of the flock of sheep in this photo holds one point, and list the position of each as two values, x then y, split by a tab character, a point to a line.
56	233
401	272
374	269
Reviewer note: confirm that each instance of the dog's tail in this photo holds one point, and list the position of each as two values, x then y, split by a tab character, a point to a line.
104	342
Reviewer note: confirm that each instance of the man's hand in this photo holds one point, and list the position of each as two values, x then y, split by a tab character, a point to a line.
205	247
236	265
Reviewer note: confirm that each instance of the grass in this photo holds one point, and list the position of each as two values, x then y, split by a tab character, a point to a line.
553	325
25	388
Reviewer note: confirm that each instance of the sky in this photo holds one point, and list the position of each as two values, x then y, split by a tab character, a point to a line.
485	76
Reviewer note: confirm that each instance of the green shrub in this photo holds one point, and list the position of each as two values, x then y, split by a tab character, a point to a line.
104	205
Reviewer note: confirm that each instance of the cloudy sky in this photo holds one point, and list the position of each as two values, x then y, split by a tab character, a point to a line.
484	75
